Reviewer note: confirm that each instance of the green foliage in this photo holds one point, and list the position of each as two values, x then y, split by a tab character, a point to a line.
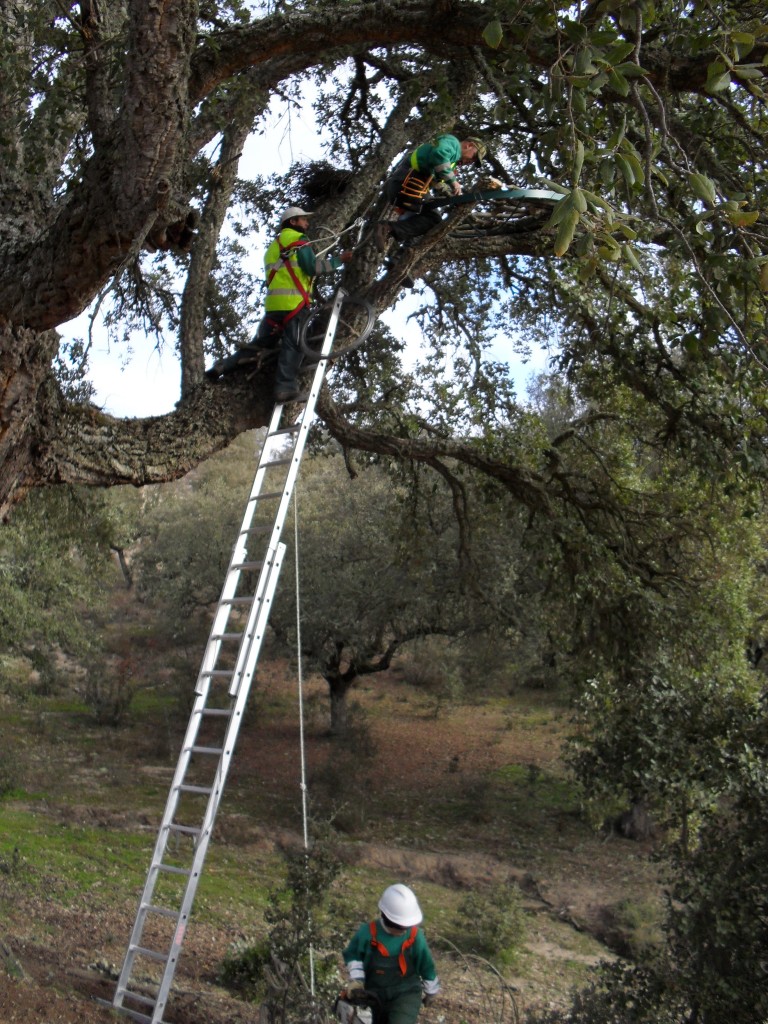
632	929
384	563
664	738
242	969
713	965
9	771
54	559
109	693
718	925
492	924
186	535
302	932
341	789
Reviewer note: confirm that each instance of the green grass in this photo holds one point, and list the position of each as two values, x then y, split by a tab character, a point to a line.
534	791
73	770
72	863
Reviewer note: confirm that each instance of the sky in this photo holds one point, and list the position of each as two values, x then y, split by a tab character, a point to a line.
146	382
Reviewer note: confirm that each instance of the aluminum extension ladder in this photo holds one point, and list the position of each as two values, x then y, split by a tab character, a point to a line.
223	684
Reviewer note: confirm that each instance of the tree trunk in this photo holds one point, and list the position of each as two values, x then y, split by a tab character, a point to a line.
25	378
636	823
339	687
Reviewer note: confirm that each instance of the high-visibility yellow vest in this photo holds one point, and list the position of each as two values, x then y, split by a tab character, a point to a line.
286	289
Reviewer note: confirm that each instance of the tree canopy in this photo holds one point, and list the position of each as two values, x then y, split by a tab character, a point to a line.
122	130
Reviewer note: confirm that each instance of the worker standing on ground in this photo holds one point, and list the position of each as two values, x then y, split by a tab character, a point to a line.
290	267
390	958
432	165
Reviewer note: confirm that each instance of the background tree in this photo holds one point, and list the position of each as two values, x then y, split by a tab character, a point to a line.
119	183
712	966
52	571
384	560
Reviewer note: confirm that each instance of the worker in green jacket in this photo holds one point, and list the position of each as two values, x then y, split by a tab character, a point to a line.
290	267
390	959
432	165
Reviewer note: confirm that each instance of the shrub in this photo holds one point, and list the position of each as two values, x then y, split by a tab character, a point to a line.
492	924
9	773
242	969
301	923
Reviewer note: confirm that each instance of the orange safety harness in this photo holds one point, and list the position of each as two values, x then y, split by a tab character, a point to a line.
285	256
414	189
381	948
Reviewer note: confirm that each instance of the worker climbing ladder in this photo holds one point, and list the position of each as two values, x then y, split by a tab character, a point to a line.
221	692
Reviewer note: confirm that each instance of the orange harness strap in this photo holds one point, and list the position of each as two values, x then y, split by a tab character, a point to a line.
285	256
415	185
381	948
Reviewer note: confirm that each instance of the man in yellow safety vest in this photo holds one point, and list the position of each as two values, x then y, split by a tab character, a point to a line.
290	266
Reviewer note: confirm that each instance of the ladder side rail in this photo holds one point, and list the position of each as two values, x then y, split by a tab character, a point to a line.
264	587
252	638
307	417
273	543
247	658
232	577
296	456
161	843
275	560
210	659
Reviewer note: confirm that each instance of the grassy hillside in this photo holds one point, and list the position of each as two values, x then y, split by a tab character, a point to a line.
459	798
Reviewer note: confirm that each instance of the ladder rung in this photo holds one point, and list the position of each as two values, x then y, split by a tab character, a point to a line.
293	429
217	673
226	636
277	462
195	789
152	954
187	830
259	528
268	494
146	1000
248	565
237	600
162	911
205	750
221	712
170	869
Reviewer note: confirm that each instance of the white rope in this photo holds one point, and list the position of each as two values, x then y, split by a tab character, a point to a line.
303	757
334	239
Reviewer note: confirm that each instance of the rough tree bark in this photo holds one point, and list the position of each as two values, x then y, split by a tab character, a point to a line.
85	186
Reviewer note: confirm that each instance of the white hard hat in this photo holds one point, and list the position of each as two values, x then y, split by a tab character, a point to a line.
400	906
293	211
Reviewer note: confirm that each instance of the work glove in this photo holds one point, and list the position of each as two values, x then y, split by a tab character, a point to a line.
427	999
354	985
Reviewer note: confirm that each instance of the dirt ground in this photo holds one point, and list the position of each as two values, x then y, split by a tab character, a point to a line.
57	960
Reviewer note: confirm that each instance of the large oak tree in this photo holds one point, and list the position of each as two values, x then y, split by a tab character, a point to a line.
123	123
